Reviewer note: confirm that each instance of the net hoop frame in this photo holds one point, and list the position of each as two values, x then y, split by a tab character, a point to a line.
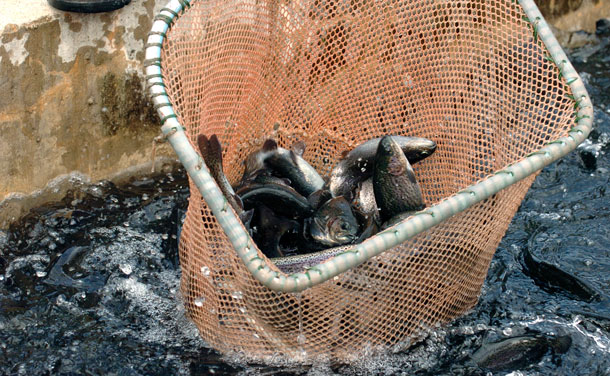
262	269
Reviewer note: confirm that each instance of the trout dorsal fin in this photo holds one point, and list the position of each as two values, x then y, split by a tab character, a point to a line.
299	148
294	158
270	145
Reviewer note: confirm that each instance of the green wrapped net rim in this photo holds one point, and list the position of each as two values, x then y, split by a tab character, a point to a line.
261	268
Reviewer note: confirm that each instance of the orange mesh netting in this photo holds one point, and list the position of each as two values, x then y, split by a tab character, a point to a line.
467	74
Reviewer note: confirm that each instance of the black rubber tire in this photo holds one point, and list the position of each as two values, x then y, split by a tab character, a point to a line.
88	6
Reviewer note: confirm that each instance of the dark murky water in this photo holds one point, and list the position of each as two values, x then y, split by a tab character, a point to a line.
89	286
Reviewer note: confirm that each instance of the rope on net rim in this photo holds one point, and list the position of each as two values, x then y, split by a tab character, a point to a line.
263	269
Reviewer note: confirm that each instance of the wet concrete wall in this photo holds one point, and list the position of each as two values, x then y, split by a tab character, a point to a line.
574	15
73	95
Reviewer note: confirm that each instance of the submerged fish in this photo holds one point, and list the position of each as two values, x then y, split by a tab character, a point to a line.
270	231
71	259
519	352
333	223
396	189
280	198
287	164
357	165
549	275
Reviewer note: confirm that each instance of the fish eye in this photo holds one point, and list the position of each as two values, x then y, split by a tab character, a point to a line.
344	226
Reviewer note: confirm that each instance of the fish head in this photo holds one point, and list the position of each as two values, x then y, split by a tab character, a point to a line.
343	230
334	223
419	148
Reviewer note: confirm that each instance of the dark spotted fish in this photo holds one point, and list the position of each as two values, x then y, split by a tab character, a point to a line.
319	197
551	276
396	189
255	162
368	225
519	352
333	223
263	176
396	219
364	199
300	263
357	165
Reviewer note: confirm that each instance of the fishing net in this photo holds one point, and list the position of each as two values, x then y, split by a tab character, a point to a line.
483	79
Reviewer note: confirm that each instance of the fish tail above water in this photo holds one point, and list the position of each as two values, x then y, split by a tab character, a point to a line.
211	152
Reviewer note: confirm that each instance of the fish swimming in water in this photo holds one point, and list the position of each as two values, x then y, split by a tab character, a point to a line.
333	223
71	259
357	165
519	352
396	189
551	276
287	164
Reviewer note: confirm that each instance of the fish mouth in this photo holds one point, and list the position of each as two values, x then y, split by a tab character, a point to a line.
341	228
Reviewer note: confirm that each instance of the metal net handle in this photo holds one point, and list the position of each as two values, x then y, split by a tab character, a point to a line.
261	268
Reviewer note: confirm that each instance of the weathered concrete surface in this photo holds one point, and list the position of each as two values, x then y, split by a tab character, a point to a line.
73	97
574	15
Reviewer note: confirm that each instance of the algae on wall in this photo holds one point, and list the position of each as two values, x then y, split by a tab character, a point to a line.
125	105
74	96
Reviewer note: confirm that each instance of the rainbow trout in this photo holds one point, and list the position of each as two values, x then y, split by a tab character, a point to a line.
357	165
333	223
211	152
396	189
